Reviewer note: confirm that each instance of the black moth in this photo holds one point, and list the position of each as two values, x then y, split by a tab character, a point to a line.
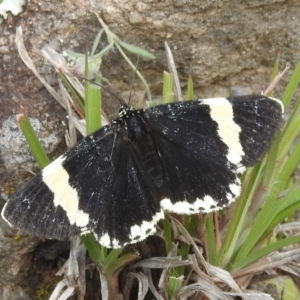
116	183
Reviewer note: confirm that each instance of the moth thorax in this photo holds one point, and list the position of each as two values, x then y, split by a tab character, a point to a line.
123	111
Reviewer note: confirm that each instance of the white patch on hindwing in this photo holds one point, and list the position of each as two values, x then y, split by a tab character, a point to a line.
65	196
205	205
137	233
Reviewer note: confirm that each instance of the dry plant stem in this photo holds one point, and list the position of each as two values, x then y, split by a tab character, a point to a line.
173	71
29	63
272	85
244	282
198	254
128	287
109	286
113	286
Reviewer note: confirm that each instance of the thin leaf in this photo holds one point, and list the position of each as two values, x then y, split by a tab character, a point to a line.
143	284
137	50
138	73
93	108
190	89
264	252
168	95
176	89
211	239
32	140
174	286
292	85
97	41
275	69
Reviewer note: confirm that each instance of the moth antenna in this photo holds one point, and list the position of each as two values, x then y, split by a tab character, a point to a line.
103	87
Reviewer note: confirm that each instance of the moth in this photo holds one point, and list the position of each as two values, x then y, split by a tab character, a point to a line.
116	183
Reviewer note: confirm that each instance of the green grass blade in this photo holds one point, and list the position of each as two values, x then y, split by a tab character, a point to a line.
76	96
291	87
211	239
289	137
174	286
93	108
238	220
283	208
275	69
285	172
268	211
36	148
111	258
263	252
190	89
137	50
97	41
97	253
289	131
92	103
270	159
190	224
287	205
105	50
168	95
115	261
93	122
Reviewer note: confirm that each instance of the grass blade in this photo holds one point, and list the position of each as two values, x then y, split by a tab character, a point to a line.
36	148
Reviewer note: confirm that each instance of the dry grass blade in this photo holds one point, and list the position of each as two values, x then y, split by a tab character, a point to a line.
203	286
292	268
188	238
173	71
272	85
165	273
67	293
219	273
104	286
225	277
152	288
161	262
143	284
54	59
61	290
70	134
74	272
196	268
29	63
275	260
213	292
81	279
283	228
251	295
